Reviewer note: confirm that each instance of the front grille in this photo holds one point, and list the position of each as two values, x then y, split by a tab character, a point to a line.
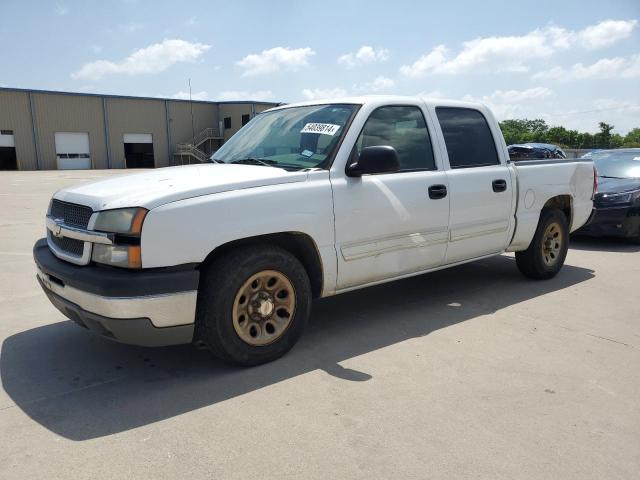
72	214
68	245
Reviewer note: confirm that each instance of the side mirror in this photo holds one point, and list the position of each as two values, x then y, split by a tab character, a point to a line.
376	159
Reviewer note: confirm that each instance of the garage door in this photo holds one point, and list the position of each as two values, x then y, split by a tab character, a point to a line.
7	151
138	150
138	138
72	151
6	138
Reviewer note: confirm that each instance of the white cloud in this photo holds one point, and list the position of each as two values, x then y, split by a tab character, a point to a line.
617	67
623	114
496	53
431	94
227	95
365	54
509	53
379	84
245	95
184	95
321	93
606	33
275	59
152	59
514	103
431	62
61	9
516	96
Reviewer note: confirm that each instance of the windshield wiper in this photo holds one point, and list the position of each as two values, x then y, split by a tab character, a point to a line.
608	176
256	161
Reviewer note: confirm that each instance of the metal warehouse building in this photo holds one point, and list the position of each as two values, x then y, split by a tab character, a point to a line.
43	130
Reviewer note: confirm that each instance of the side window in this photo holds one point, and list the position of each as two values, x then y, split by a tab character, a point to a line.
404	129
467	137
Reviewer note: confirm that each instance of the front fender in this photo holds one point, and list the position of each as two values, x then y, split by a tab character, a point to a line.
187	231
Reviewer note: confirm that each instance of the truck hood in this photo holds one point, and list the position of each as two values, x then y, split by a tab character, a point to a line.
158	187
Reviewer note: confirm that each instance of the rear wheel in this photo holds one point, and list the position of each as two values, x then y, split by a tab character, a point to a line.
253	305
548	249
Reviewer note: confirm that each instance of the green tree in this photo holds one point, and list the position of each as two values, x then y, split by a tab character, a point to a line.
616	141
603	137
525	131
632	139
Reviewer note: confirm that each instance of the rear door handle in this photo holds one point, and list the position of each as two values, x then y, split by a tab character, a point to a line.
499	185
437	191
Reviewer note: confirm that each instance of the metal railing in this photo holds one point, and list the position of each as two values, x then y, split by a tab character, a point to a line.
189	149
206	134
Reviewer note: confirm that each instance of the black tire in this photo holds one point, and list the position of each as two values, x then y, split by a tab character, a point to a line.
221	282
533	262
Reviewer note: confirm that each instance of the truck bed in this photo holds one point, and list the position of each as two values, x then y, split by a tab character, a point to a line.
538	181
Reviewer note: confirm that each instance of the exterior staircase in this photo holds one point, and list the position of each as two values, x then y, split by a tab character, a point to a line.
199	148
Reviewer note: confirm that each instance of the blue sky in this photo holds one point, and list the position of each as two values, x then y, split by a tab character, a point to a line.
572	63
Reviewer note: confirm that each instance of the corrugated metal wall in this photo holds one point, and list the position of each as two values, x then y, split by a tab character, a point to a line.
205	115
136	116
168	121
14	115
68	113
235	111
261	107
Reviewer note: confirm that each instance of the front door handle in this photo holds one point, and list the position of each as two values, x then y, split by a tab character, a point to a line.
437	191
499	185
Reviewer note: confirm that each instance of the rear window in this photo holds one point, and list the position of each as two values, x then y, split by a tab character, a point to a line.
467	137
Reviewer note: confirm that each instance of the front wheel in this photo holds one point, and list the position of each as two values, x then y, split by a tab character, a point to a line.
548	249
253	305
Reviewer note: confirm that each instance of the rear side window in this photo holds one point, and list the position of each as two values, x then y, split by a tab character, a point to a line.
468	138
403	128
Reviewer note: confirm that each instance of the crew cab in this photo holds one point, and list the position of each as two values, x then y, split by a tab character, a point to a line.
307	200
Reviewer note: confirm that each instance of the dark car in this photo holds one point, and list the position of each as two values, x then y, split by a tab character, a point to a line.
535	151
616	206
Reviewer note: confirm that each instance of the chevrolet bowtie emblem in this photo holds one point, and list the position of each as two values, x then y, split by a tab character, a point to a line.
57	231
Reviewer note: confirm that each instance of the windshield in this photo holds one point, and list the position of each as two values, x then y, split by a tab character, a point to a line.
618	164
292	138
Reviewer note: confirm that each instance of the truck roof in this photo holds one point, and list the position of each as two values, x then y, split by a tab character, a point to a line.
385	100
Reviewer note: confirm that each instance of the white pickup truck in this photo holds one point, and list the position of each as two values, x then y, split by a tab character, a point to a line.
307	200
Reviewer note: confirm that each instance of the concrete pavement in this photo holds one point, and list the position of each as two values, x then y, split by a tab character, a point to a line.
472	372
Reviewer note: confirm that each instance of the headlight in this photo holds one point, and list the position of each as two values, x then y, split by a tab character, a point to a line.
126	223
626	197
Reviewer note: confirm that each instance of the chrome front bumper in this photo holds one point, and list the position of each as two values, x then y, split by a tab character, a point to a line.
146	307
165	310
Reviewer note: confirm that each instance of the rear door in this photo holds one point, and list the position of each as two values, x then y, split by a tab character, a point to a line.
480	185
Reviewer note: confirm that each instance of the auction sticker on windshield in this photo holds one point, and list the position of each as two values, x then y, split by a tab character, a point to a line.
321	128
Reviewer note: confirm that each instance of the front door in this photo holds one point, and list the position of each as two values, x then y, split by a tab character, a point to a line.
387	225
